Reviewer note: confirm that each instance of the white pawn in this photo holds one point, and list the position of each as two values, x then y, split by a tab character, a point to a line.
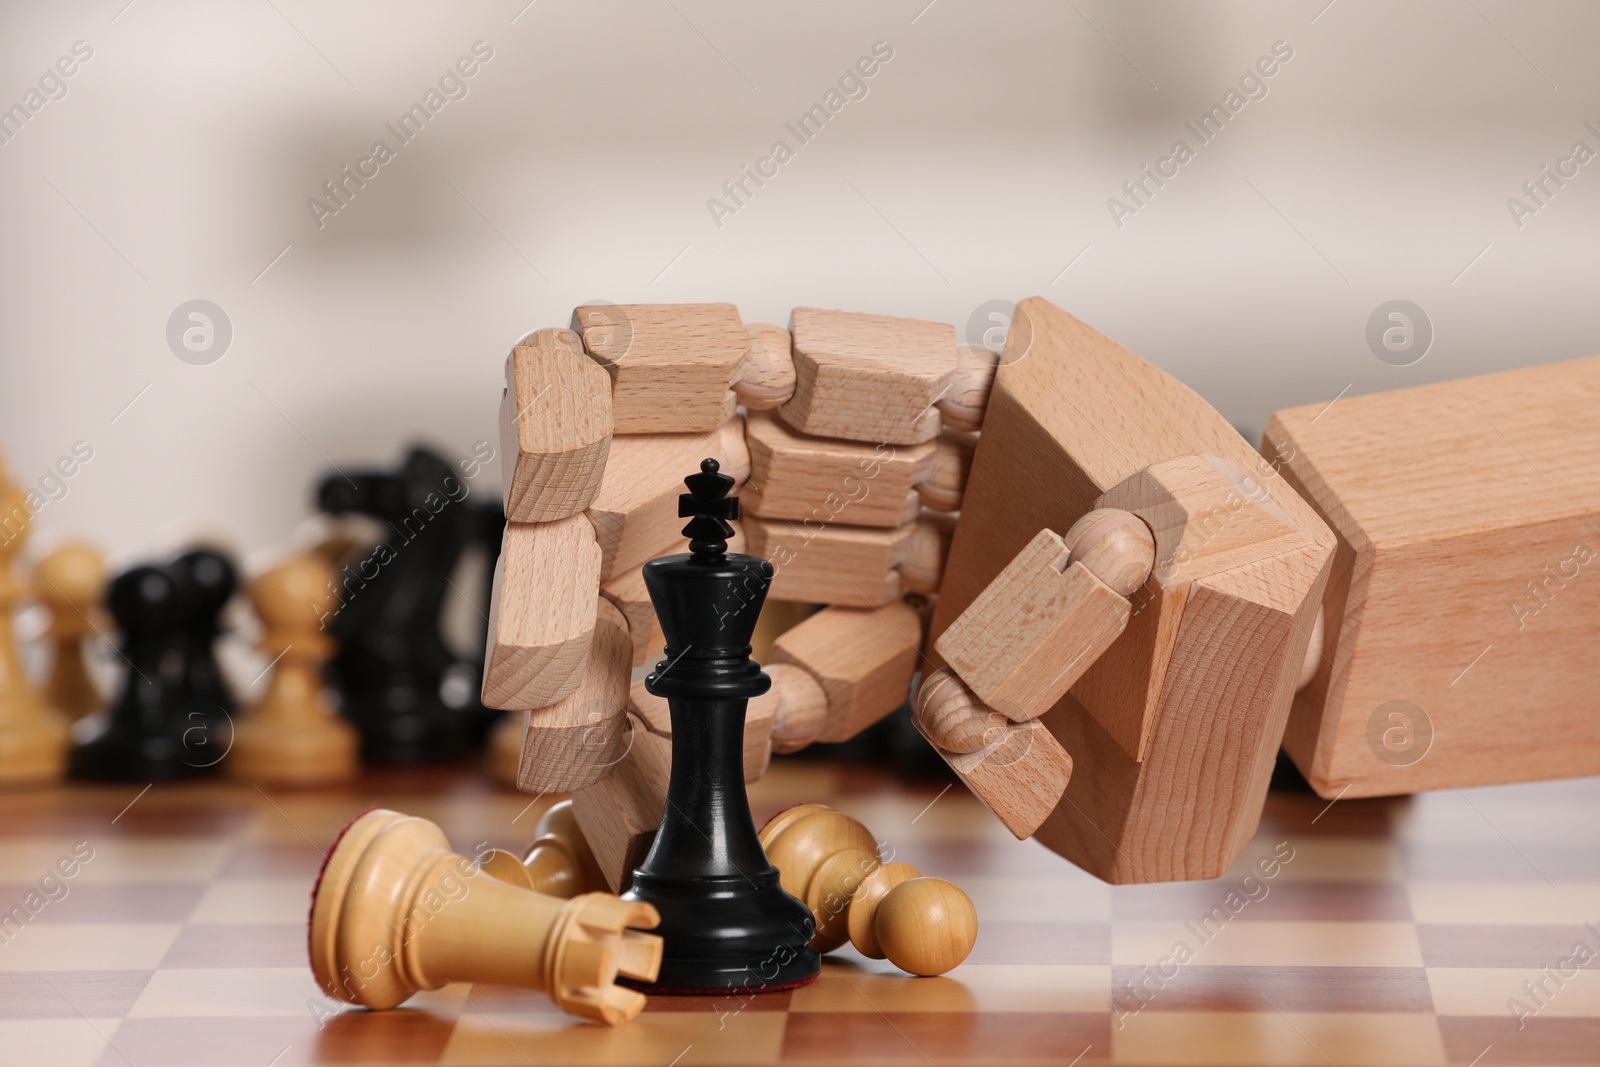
293	738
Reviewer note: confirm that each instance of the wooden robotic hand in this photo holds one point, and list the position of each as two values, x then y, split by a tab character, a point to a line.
856	450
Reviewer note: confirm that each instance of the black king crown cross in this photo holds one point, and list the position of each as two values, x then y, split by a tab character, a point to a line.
727	923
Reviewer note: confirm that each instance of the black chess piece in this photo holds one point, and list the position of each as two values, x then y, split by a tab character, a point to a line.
727	923
393	662
213	579
147	735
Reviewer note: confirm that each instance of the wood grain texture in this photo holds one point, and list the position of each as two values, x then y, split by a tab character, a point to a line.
577	741
795	476
387	869
620	813
1022	774
671	365
869	377
635	514
555	427
863	659
1034	631
542	614
1466	582
1071	416
1018	769
834	564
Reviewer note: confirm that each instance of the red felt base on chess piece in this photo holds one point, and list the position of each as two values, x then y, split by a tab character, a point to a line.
658	991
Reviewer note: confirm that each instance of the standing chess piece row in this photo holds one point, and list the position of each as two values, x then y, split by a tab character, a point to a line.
175	716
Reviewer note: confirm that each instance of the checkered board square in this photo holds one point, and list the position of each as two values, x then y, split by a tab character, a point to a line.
1450	928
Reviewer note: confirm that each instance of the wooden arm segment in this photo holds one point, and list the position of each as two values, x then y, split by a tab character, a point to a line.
861	658
555	427
1018	769
852	566
869	377
542	615
579	740
670	364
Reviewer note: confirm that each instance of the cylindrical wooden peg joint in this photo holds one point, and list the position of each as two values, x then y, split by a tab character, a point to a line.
950	715
1115	545
766	378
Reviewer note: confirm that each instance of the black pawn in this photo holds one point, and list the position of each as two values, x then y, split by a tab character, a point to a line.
146	736
727	923
212	580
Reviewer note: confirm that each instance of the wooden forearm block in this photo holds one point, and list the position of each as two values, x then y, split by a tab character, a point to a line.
620	813
635	514
793	476
1035	630
851	565
671	364
579	740
555	427
863	658
869	377
765	379
1018	769
542	615
1463	608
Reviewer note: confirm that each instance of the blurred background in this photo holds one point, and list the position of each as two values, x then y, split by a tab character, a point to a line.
184	158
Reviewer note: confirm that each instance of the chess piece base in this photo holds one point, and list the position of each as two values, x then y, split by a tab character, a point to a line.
728	934
278	754
33	753
407	736
116	755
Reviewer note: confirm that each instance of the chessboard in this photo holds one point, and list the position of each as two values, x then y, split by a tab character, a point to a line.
1457	927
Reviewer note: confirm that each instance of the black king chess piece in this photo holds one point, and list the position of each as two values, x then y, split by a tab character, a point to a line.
727	923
